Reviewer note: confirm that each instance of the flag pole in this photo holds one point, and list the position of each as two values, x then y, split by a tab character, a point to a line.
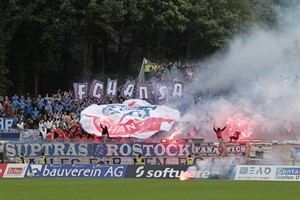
141	78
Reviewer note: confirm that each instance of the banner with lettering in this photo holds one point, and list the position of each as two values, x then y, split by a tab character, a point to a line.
97	89
111	90
30	135
80	90
107	160
128	89
6	123
142	91
35	149
13	170
213	149
133	118
10	134
146	149
75	171
161	90
177	89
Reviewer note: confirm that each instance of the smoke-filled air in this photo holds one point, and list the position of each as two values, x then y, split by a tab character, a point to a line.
251	85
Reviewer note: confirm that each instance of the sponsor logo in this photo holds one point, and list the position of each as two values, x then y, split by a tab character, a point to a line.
34	170
79	170
194	172
166	173
287	171
287	174
280	173
172	172
14	170
255	170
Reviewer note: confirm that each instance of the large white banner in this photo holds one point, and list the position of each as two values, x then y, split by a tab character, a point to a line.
133	118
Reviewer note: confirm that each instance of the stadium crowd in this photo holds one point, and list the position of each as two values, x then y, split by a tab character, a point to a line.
57	116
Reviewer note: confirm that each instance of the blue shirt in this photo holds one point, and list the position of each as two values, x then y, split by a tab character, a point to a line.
35	114
40	106
15	103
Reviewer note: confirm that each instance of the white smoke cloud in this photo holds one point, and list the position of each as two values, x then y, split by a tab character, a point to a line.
259	73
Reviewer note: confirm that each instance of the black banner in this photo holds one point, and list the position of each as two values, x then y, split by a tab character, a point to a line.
155	171
213	171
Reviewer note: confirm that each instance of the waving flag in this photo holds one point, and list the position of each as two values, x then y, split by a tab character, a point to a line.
133	118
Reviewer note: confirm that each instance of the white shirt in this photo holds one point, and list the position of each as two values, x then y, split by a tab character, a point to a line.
43	132
49	124
20	125
41	125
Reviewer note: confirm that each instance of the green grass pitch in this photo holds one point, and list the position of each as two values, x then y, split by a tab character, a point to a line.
143	189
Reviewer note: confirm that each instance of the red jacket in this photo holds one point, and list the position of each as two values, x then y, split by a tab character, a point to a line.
219	131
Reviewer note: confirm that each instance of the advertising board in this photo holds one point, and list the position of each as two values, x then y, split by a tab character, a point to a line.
2	169
75	171
177	171
15	171
267	172
155	171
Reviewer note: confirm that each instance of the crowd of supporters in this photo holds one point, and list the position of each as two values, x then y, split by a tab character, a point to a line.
170	71
57	116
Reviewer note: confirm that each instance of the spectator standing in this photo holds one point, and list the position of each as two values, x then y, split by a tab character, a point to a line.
48	107
49	124
190	160
40	105
22	158
43	132
42	159
20	124
222	149
139	160
105	134
35	114
174	71
219	132
31	123
6	106
15	104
